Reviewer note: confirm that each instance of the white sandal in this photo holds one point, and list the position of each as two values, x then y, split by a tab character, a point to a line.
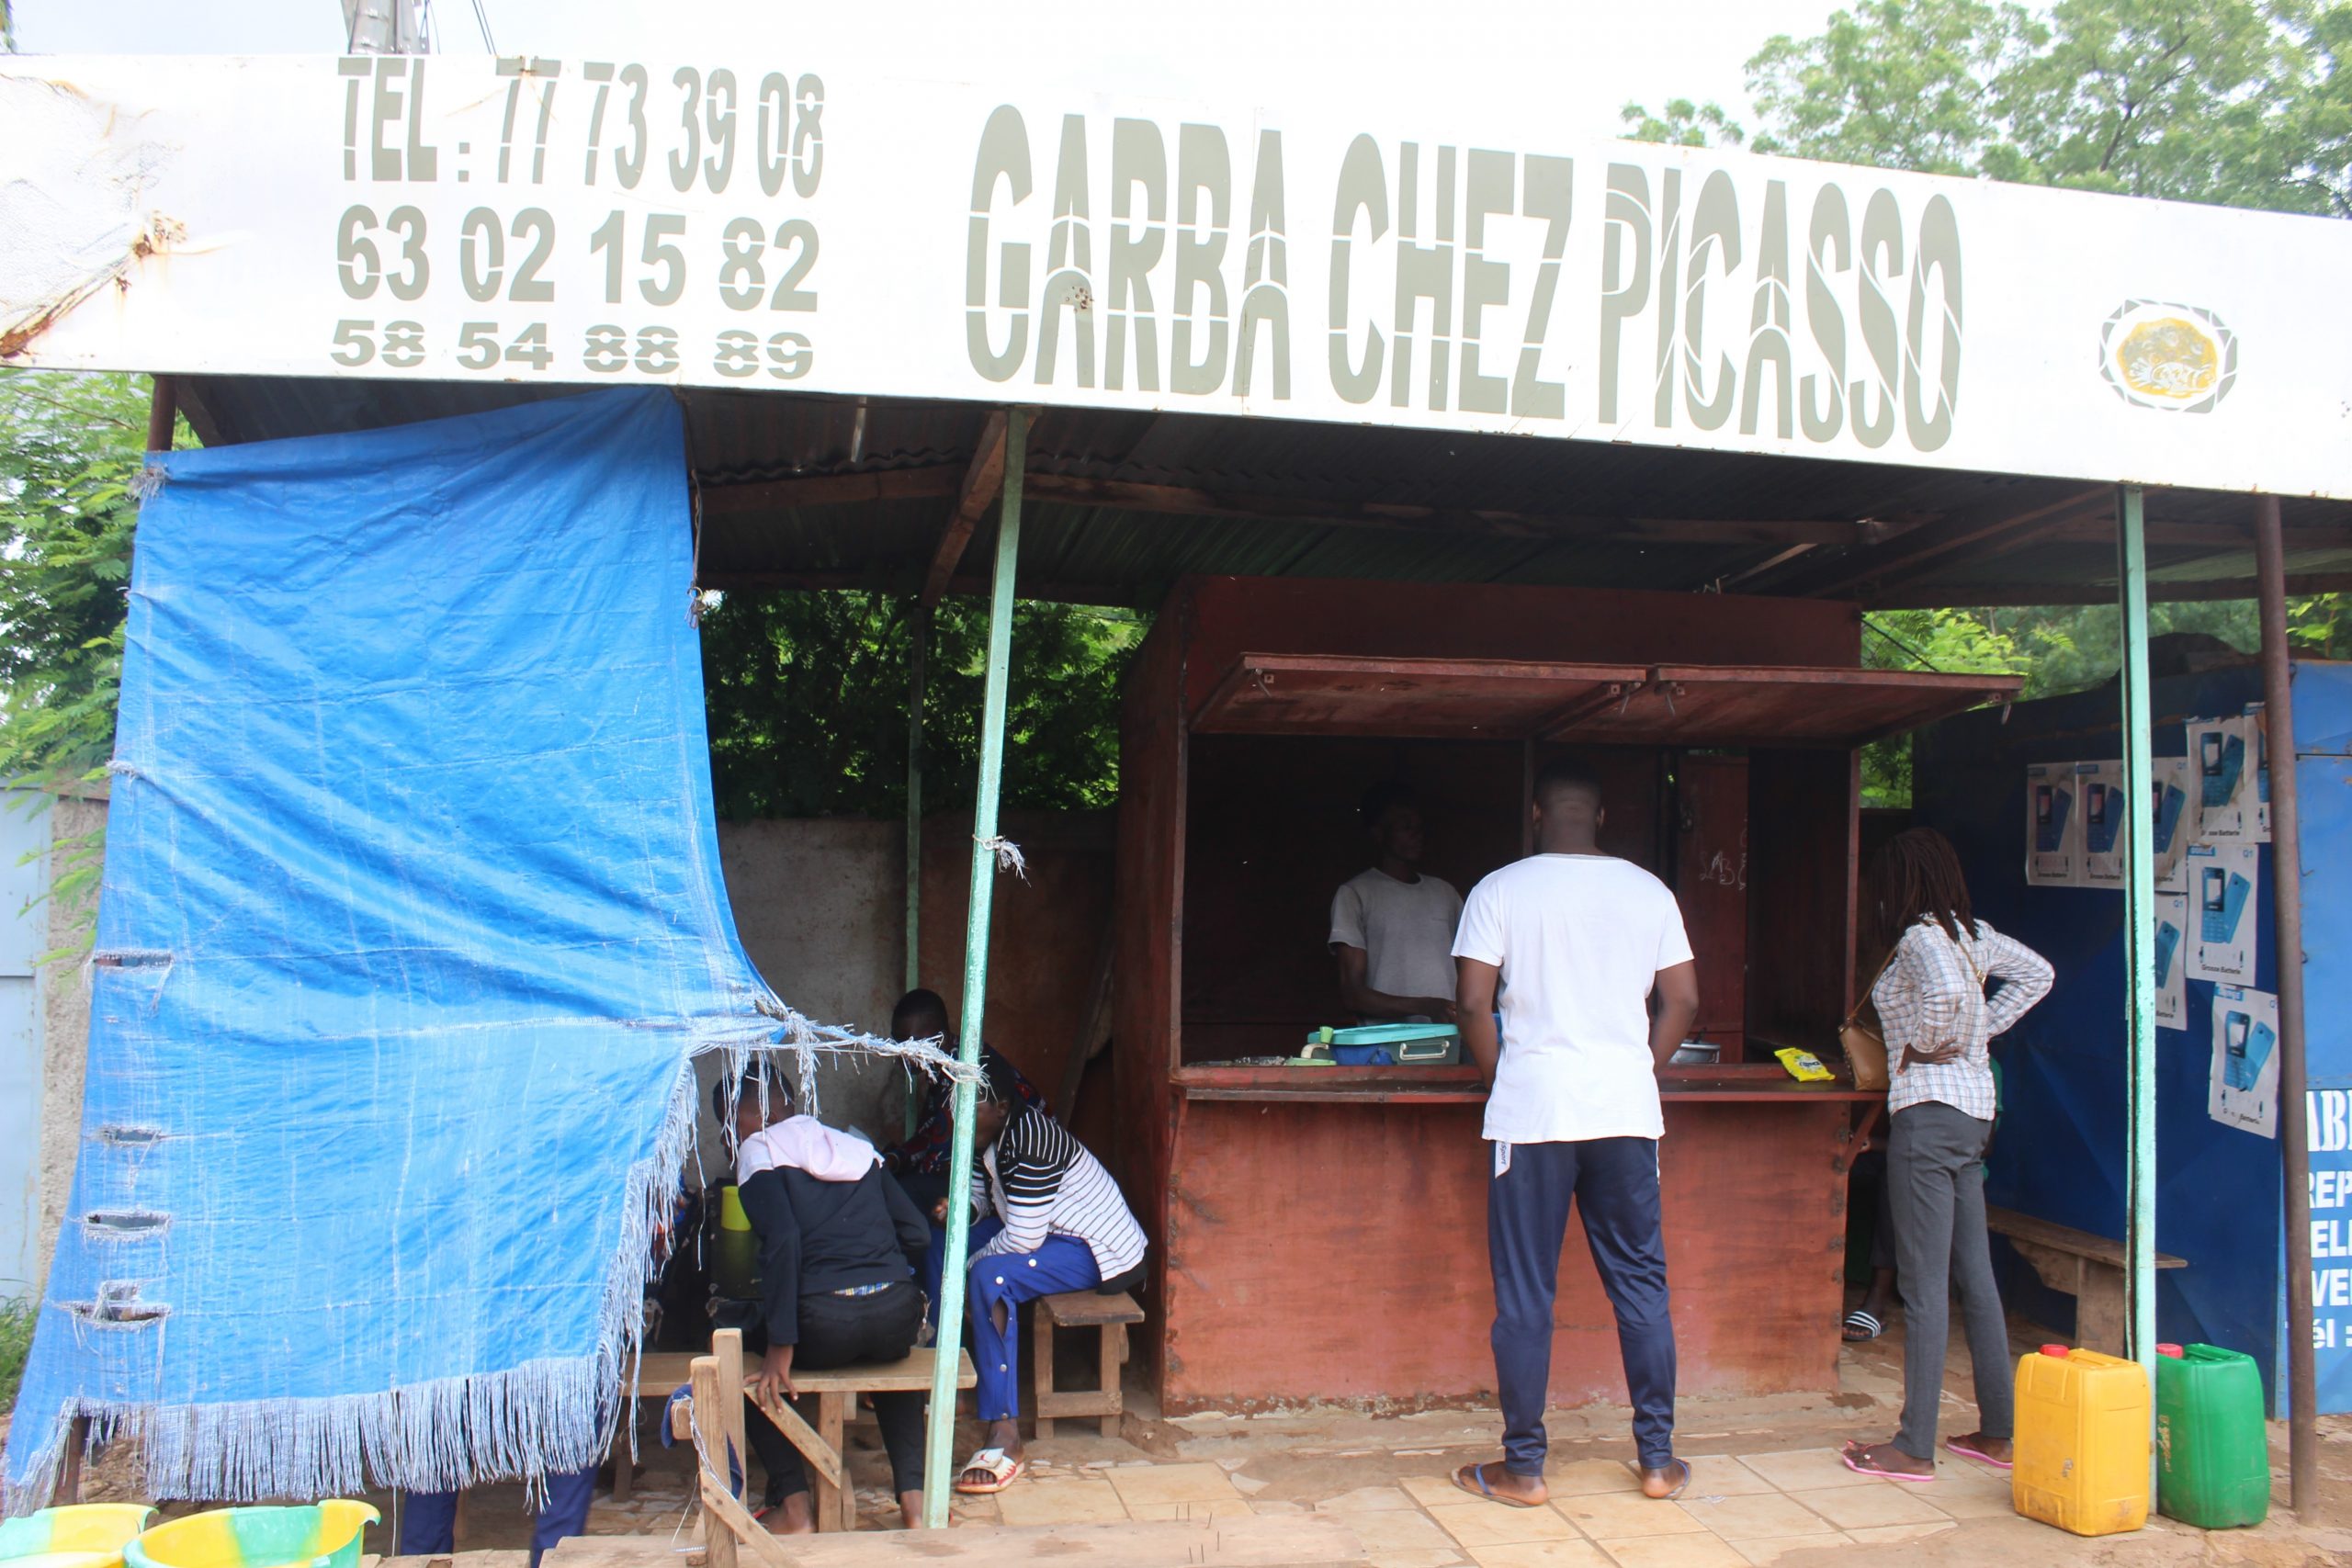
1001	1468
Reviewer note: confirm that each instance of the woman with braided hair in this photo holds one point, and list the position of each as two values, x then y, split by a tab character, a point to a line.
1951	984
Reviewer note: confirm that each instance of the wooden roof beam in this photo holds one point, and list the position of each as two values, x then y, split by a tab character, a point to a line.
2015	538
981	482
1925	549
1996	595
963	587
2231	537
1072	489
831	490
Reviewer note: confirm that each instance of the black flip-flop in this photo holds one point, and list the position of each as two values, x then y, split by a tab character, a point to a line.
1861	1327
1477	1472
1680	1487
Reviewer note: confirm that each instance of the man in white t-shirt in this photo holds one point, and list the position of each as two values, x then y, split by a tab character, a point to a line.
1392	927
1577	942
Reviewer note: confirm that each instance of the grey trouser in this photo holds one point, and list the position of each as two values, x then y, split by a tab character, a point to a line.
1935	1187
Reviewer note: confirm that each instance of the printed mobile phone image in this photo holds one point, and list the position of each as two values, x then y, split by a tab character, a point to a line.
2050	805
2246	1046
2102	816
2220	759
2169	800
2224	897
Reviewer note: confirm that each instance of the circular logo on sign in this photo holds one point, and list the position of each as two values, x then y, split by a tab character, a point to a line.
2162	355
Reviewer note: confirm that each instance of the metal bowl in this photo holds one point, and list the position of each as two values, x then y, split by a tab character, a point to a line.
1696	1054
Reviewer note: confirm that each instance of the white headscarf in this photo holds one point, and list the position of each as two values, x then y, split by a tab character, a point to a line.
803	1143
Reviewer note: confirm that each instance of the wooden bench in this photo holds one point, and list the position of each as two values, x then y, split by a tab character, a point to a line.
718	1381
2091	1269
1082	1309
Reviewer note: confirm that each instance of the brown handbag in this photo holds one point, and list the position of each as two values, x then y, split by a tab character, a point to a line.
1864	1045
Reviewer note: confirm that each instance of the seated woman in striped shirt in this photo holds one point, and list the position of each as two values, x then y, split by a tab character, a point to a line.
1050	1220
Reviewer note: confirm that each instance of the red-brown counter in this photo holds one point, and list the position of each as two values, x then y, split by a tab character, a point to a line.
1326	1240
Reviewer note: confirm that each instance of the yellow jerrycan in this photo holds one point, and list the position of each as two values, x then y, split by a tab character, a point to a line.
2082	1442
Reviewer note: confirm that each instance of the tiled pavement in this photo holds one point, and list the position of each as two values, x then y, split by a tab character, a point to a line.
1767	1488
1755	1508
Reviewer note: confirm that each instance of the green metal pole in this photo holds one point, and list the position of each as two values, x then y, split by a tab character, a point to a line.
918	654
940	1434
2139	918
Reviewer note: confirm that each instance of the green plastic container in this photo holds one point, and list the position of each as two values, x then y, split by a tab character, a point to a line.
2212	1453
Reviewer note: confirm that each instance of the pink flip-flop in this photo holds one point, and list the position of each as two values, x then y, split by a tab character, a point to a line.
1847	1458
1955	1445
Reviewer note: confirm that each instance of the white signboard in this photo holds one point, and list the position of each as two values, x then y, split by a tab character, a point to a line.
763	221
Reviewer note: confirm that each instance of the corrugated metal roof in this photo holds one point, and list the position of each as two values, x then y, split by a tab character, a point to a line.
1124	555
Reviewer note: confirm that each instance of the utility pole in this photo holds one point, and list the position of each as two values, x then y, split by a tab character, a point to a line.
385	27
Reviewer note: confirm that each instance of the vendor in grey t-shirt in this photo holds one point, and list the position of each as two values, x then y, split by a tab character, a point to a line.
1392	928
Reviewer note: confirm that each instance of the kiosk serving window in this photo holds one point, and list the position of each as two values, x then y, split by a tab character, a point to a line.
1697	763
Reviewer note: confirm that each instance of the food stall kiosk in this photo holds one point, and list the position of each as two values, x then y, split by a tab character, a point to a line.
1320	1232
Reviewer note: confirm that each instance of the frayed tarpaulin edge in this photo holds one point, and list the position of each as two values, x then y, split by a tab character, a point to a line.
545	1417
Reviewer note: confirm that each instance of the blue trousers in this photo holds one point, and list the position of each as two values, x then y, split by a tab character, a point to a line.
429	1519
1063	1263
1613	1182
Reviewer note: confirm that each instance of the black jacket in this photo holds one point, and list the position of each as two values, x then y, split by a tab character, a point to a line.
817	1236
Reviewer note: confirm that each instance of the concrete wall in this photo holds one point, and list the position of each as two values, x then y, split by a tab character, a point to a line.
821	906
24	937
65	1023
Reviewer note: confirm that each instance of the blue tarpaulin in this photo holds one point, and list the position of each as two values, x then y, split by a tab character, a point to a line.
413	918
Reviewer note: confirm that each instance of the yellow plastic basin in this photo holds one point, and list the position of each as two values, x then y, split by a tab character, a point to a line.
318	1534
84	1535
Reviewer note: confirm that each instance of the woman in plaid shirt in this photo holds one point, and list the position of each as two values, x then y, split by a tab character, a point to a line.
1951	984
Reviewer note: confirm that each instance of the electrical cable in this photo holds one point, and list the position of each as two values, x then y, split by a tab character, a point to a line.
481	19
1898	642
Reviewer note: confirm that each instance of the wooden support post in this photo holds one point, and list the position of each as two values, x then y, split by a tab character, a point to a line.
826	1462
711	1451
69	1474
1115	1360
1041	1367
982	482
624	1461
2286	895
727	1350
731	1524
836	1496
163	413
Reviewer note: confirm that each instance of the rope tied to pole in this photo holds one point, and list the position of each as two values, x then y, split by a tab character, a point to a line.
1008	854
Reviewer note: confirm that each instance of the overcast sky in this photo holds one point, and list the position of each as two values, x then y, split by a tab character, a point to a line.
1571	63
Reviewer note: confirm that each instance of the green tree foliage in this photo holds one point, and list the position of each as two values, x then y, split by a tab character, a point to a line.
71	448
2061	649
1684	124
2238	102
807	697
